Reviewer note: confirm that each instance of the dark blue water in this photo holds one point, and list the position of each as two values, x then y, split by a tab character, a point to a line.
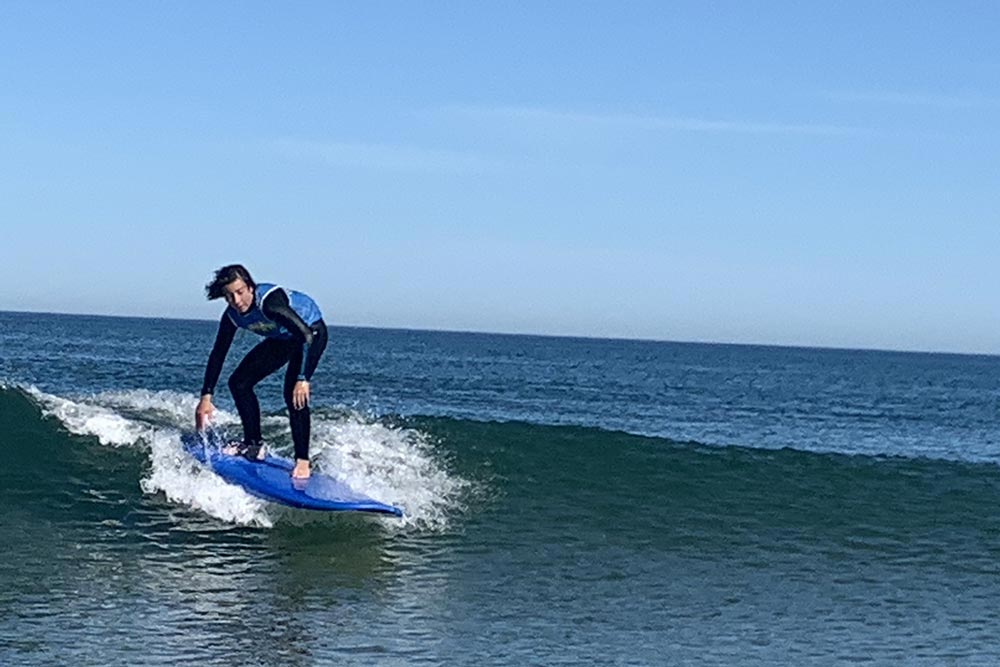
568	501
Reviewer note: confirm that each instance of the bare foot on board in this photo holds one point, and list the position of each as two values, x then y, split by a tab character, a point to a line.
302	470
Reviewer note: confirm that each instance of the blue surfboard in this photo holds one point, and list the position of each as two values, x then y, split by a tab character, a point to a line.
271	479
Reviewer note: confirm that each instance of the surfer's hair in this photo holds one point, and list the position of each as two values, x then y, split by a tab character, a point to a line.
226	275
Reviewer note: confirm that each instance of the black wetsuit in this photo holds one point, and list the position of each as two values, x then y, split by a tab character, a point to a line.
301	352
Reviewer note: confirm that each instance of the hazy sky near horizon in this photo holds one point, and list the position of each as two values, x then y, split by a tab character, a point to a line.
775	172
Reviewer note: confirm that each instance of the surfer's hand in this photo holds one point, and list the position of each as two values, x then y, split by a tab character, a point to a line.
300	395
203	413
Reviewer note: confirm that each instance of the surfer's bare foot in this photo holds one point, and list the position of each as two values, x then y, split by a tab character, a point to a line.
302	469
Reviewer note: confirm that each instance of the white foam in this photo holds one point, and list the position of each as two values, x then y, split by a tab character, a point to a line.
392	464
84	418
395	465
183	480
154	421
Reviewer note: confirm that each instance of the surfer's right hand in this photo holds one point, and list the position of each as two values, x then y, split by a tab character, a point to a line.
203	413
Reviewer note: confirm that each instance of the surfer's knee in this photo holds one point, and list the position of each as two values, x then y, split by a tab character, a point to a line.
238	386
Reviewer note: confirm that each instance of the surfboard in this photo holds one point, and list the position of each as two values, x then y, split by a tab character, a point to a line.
271	479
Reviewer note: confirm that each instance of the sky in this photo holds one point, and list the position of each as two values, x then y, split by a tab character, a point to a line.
789	173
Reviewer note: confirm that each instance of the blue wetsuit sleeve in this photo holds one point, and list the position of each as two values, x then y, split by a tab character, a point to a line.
277	308
223	341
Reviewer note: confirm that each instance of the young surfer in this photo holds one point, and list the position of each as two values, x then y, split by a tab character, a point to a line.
294	334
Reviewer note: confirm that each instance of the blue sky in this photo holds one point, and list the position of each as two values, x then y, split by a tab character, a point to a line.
788	173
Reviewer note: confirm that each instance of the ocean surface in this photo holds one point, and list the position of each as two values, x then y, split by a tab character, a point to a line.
567	502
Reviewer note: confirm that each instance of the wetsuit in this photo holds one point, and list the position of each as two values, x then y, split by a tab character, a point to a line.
295	334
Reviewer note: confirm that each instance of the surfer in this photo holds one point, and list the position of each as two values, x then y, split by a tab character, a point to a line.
294	334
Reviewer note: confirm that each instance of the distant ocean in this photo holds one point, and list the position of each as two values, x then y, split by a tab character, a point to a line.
567	502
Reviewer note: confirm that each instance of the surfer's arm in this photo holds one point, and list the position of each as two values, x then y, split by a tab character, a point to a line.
277	308
223	341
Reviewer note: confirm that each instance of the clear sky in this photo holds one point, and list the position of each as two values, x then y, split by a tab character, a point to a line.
807	173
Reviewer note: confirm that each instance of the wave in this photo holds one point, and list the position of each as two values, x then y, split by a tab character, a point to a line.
394	464
665	494
547	480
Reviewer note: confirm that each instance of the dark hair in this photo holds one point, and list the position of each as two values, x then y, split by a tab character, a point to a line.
226	275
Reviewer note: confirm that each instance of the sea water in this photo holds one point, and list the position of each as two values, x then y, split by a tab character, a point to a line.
567	502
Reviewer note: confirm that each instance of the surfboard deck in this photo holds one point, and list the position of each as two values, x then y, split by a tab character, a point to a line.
271	479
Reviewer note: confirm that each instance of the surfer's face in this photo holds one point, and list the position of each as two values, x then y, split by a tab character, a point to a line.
239	295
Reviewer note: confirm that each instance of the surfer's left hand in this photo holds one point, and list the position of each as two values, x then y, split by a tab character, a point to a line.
300	395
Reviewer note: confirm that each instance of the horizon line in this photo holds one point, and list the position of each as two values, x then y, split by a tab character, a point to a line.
477	332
